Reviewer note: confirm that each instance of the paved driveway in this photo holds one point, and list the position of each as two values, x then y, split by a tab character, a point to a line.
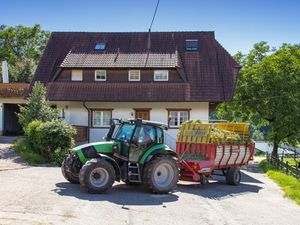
40	195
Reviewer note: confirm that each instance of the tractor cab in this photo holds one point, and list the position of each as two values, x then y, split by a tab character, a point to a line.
134	137
133	151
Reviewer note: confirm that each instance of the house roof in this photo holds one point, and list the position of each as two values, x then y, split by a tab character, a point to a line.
13	90
121	60
209	73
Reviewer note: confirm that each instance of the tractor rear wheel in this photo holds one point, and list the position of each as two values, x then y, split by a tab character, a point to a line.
161	174
71	177
233	176
97	176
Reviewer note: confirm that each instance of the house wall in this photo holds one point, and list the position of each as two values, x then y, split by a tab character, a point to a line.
118	75
76	114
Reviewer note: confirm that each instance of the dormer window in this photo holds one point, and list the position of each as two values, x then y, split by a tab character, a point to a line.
191	45
134	75
100	75
100	46
161	75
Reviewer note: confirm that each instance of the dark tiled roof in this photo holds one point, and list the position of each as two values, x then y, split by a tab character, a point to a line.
13	90
112	92
211	71
121	60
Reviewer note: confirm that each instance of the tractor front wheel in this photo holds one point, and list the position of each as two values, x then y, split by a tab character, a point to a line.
97	176
161	174
71	177
233	176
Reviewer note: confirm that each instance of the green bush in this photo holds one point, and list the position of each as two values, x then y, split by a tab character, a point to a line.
33	135
56	137
50	140
24	149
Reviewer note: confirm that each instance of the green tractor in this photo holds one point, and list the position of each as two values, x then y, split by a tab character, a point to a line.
134	152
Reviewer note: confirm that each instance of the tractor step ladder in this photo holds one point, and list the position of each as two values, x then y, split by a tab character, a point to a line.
134	174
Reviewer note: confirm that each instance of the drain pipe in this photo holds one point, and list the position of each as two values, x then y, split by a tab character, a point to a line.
88	129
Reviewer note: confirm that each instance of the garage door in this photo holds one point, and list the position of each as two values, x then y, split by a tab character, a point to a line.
11	124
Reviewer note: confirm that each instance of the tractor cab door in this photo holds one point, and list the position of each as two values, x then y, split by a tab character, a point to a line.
144	137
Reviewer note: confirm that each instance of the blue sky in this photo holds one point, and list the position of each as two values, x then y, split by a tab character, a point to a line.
237	24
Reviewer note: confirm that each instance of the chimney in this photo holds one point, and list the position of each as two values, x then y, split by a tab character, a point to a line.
4	72
149	41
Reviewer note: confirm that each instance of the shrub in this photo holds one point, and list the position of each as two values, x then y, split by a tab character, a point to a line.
37	107
33	135
50	140
24	149
56	137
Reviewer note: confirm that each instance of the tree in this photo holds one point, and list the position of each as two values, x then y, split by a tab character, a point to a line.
22	47
268	93
37	107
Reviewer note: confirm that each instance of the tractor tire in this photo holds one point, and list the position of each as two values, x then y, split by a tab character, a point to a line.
233	176
69	176
97	176
161	174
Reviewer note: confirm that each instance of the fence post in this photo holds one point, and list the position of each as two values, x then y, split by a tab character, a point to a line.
286	167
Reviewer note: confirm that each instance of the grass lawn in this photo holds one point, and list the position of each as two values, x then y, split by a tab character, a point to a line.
289	184
292	161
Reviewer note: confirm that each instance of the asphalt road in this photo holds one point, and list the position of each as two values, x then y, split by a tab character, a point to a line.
40	195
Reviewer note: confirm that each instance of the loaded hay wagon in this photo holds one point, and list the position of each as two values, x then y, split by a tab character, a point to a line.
134	152
205	148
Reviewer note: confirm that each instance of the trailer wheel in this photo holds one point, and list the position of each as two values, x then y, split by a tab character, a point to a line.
97	176
203	179
233	176
161	174
69	176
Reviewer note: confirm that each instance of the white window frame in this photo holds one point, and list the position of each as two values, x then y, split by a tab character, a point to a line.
101	119
178	117
96	79
160	71
76	75
139	74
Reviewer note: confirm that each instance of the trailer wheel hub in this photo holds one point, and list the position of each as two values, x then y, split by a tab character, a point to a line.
163	175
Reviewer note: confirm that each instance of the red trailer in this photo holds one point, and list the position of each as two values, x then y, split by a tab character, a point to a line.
198	161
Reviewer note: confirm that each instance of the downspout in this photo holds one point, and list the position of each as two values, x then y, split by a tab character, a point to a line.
88	129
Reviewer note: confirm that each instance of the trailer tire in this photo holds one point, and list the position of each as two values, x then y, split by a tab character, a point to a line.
203	179
161	174
97	176
233	176
69	176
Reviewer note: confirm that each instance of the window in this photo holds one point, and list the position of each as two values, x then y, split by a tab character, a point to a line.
161	75
134	75
100	46
176	118
76	75
191	45
100	75
101	118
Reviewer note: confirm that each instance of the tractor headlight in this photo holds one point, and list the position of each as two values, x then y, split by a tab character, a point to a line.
115	148
89	152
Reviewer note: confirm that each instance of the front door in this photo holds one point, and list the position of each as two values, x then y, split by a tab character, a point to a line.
142	114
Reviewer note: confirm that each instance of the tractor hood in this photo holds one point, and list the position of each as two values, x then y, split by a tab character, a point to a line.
88	151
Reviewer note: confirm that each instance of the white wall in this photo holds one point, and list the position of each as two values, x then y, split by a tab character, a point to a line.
76	114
